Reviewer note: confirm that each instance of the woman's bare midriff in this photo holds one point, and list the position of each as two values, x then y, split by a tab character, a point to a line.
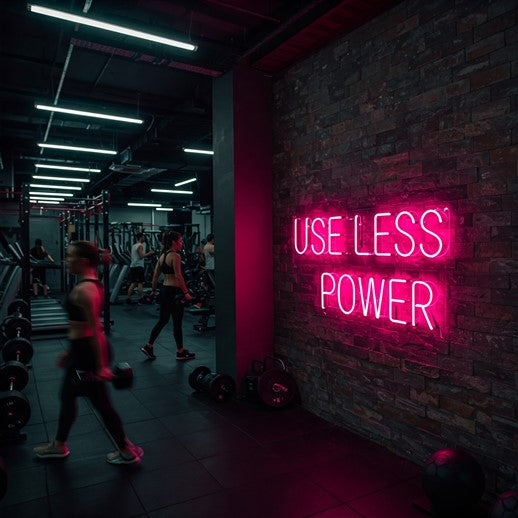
78	329
171	280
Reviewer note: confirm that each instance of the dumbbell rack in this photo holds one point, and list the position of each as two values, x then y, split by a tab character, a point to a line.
17	351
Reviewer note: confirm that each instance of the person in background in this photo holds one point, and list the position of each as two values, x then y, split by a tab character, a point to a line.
208	252
39	273
87	358
137	267
171	295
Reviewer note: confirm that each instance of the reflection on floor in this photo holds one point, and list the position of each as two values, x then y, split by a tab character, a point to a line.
201	458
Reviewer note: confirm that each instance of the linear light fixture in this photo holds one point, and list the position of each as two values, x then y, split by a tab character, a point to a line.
52	199
65	187
199	151
76	148
67	168
190	180
83	20
38	194
144	204
165	209
60	178
88	114
49	202
173	191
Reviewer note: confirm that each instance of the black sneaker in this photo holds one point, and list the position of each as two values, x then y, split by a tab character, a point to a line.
141	302
185	355
148	351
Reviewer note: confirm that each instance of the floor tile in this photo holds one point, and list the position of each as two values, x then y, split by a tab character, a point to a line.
170	485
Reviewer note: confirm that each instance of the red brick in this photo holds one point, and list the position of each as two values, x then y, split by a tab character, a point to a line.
471	21
491	109
488	77
426	398
456	406
493	250
494	26
487	188
466	381
451	420
504	154
497	218
485	46
467	293
492	140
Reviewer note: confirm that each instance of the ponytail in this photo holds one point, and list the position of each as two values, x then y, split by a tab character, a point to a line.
90	252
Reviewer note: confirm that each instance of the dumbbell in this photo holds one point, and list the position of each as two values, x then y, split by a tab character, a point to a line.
18	349
122	376
18	308
15	409
17	326
219	386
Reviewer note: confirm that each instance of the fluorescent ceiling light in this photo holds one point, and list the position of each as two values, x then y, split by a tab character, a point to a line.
199	151
166	209
45	201
66	188
60	178
171	191
53	198
38	194
88	114
145	204
83	20
76	148
68	168
184	182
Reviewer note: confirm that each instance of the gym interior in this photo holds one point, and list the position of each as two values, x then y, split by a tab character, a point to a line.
352	168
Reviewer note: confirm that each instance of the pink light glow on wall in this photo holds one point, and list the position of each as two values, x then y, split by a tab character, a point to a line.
377	244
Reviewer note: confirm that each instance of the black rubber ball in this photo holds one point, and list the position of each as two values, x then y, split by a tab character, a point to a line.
453	481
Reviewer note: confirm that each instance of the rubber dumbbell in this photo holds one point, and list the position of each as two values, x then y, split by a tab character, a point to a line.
15	409
122	376
3	479
18	308
218	386
17	327
18	349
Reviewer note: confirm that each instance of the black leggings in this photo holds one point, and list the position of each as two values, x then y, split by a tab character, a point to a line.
169	307
98	394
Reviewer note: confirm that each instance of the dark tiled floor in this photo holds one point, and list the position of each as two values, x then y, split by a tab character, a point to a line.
201	459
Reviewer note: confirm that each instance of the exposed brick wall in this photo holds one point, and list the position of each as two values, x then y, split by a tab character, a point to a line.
419	104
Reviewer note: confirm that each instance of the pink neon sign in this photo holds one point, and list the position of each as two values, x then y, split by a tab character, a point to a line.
404	234
419	236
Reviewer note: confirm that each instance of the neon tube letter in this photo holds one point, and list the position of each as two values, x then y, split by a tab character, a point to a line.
398	250
332	234
295	234
323	249
353	293
323	291
393	300
421	306
428	231
376	233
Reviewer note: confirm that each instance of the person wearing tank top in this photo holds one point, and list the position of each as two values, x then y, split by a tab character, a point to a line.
173	295
86	361
136	275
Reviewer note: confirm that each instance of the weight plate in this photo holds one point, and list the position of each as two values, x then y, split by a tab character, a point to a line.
222	387
17	325
15	410
196	375
276	388
15	372
18	349
19	306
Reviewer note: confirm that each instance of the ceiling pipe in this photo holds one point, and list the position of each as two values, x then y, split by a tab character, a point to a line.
243	10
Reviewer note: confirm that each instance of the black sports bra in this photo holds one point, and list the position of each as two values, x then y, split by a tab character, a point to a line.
74	311
165	268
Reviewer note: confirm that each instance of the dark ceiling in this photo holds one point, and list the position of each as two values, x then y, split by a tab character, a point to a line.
43	58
